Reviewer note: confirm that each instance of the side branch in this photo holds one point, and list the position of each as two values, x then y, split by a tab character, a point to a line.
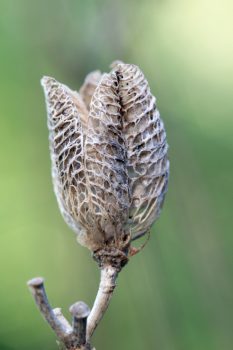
73	338
58	323
80	312
84	323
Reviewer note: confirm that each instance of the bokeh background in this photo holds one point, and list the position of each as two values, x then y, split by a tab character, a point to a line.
177	294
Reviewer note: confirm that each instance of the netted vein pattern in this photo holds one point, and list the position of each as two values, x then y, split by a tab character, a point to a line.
109	155
88	88
105	161
66	136
146	147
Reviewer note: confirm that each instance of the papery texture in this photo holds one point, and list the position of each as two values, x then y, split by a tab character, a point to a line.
88	88
109	155
146	147
65	111
106	171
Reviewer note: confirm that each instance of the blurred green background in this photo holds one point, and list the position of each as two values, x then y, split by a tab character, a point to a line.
177	294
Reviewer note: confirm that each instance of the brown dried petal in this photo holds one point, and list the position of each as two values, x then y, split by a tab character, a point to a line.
109	155
88	88
66	136
105	162
146	147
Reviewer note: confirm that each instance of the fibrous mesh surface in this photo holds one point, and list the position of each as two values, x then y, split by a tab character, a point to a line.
88	88
109	155
66	110
105	149
146	146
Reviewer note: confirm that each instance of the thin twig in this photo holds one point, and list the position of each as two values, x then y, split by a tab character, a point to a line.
62	319
36	286
73	338
80	312
84	322
106	288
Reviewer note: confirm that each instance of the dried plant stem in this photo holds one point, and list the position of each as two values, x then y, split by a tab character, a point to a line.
55	319
80	312
110	173
72	337
84	323
107	285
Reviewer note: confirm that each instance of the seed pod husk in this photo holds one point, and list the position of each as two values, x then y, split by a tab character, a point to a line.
109	156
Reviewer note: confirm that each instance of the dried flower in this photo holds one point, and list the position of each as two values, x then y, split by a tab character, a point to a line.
109	156
110	172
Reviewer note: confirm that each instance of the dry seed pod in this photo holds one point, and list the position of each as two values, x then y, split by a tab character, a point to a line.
67	116
146	147
109	156
88	88
110	172
106	174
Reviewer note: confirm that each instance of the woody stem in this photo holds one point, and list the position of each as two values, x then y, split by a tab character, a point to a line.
107	285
